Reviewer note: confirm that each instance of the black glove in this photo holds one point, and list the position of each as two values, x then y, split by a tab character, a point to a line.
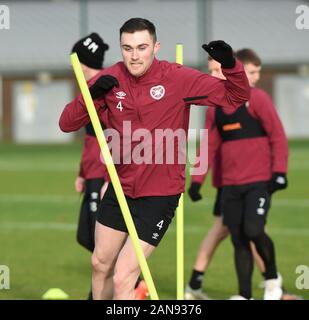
221	52
277	182
194	191
102	86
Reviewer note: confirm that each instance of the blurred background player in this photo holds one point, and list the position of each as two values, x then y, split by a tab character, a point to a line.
92	174
229	138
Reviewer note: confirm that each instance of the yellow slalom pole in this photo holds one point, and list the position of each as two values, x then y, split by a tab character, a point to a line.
180	217
113	175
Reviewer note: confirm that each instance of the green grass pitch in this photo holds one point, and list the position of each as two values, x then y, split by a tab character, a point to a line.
38	218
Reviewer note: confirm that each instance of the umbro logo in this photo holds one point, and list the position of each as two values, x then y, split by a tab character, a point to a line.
155	236
120	95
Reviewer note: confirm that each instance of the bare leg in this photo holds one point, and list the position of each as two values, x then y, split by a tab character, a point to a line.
127	270
215	235
108	243
257	258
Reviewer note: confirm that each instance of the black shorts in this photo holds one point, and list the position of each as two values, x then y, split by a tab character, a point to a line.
245	204
218	204
151	215
87	216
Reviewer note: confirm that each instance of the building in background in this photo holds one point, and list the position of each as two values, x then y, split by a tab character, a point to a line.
36	78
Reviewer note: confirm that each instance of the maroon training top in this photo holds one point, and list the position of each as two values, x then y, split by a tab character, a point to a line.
247	160
159	99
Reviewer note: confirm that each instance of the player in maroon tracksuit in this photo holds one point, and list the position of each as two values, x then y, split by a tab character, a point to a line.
151	96
91	178
92	175
253	165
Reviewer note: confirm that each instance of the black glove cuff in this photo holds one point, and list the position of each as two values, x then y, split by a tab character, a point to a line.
228	63
195	186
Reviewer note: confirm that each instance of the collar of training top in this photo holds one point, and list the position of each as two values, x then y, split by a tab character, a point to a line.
151	75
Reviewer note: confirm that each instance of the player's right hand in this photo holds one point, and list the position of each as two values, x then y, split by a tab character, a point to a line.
194	191
103	85
79	184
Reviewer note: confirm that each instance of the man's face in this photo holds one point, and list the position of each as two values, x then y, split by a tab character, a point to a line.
138	50
253	73
214	69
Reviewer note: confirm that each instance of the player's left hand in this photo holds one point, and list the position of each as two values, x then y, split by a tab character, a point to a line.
221	52
277	182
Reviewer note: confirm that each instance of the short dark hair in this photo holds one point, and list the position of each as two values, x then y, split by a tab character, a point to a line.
248	56
139	24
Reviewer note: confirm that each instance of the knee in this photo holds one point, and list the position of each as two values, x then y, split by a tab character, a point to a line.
219	230
223	232
238	239
100	263
253	232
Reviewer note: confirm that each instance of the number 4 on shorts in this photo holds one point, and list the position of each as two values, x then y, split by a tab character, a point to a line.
160	224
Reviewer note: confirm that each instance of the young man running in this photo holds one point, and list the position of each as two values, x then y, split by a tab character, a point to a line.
151	95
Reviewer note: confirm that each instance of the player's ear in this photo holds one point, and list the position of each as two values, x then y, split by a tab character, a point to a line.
156	47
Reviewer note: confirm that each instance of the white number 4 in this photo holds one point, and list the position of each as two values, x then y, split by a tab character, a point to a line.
119	106
160	224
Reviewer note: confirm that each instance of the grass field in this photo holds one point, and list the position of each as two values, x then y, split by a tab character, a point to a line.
39	211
